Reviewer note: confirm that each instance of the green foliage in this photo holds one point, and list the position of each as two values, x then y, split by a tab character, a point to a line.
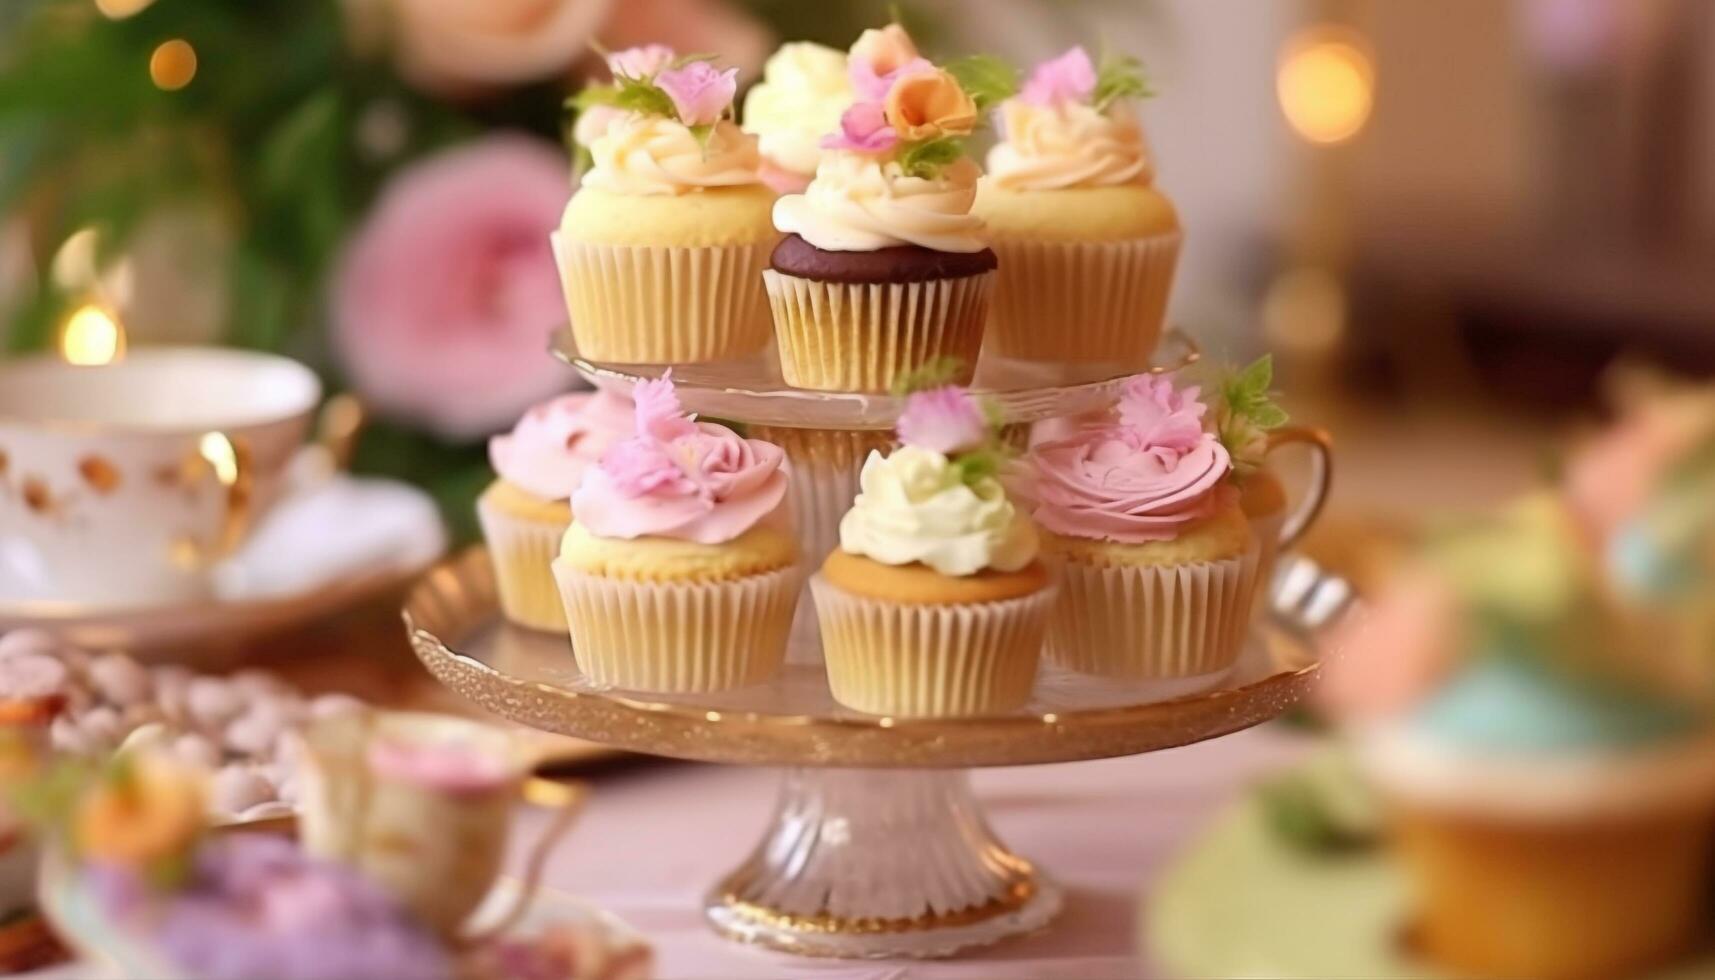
988	80
1120	77
936	373
925	158
1248	395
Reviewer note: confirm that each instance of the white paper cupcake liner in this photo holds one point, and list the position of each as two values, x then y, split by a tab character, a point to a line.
657	305
930	661
1152	622
678	637
523	552
1082	301
836	336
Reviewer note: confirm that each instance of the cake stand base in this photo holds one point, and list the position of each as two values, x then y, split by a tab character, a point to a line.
880	863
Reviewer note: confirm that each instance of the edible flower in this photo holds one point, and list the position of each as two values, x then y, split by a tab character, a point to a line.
1068	78
701	93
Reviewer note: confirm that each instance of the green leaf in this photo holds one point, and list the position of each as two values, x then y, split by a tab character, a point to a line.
591	96
1257	376
986	79
926	158
1120	77
1269	416
936	373
645	98
702	134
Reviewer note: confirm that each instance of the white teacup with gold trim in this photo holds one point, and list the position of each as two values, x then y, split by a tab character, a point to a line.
121	485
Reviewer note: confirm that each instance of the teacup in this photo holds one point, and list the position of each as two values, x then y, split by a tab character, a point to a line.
122	485
422	805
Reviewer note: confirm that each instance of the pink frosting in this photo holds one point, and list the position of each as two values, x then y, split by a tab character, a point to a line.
678	478
548	451
1144	479
450	768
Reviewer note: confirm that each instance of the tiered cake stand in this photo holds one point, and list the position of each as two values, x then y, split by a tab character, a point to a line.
877	847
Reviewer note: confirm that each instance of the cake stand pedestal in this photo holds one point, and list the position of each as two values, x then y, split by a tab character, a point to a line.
877	847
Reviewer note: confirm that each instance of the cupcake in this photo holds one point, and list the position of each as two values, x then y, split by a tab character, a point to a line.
1157	560
935	603
884	268
526	511
1551	799
803	91
1088	243
661	249
680	570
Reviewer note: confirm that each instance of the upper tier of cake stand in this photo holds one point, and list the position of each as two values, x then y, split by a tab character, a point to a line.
532	678
752	390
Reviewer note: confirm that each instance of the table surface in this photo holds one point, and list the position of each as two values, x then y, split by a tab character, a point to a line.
655	837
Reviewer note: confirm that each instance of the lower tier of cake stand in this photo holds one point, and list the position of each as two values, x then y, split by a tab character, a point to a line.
880	863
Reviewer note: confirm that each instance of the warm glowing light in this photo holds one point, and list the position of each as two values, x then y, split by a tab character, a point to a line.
173	65
92	337
121	9
216	449
1326	84
1304	310
73	267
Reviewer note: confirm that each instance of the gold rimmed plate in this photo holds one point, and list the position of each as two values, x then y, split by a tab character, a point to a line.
532	678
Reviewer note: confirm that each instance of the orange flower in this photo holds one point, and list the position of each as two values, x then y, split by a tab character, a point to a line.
148	811
886	49
930	105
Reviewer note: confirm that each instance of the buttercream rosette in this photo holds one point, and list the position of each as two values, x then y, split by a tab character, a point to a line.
662	248
1157	565
1086	239
527	510
679	572
935	603
803	91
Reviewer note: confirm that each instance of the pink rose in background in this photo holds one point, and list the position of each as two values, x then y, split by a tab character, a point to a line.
640	62
885	49
863	128
1395	651
701	93
461	48
700	26
1610	478
946	420
1068	78
445	297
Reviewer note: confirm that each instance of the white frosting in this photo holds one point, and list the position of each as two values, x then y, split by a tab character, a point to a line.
803	91
1068	145
640	154
857	203
913	508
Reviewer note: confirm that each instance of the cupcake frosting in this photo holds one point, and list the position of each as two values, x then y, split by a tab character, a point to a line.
1068	145
804	89
1147	478
640	154
914	507
552	445
678	478
860	203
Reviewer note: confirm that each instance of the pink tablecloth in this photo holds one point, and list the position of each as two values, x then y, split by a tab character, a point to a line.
654	839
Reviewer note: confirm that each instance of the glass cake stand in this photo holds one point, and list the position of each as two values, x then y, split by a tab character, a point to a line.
877	846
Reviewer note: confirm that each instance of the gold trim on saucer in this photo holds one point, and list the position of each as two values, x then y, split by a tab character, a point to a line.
1018	894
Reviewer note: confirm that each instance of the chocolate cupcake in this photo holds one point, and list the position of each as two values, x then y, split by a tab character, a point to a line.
884	268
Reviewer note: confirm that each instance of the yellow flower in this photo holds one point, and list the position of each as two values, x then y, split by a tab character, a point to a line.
146	811
928	106
885	49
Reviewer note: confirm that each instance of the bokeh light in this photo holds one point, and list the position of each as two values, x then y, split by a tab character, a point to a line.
1326	84
92	337
173	65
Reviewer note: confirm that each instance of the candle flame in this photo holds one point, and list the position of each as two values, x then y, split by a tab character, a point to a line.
92	337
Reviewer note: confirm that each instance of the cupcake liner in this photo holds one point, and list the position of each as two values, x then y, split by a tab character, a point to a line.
678	637
826	464
1082	301
523	552
658	305
1266	529
1145	622
930	661
837	336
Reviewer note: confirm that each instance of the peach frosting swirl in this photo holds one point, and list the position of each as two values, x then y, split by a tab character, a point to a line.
1069	144
552	445
858	203
641	155
1145	479
678	478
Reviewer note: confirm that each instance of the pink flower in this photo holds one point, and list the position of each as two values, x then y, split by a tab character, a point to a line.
946	420
1068	78
444	299
468	48
701	93
691	25
1158	415
640	62
872	85
1395	652
643	466
863	128
659	414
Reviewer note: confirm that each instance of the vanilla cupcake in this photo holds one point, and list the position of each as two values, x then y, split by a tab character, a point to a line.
804	90
935	603
1157	560
1088	243
884	268
680	570
661	250
526	511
